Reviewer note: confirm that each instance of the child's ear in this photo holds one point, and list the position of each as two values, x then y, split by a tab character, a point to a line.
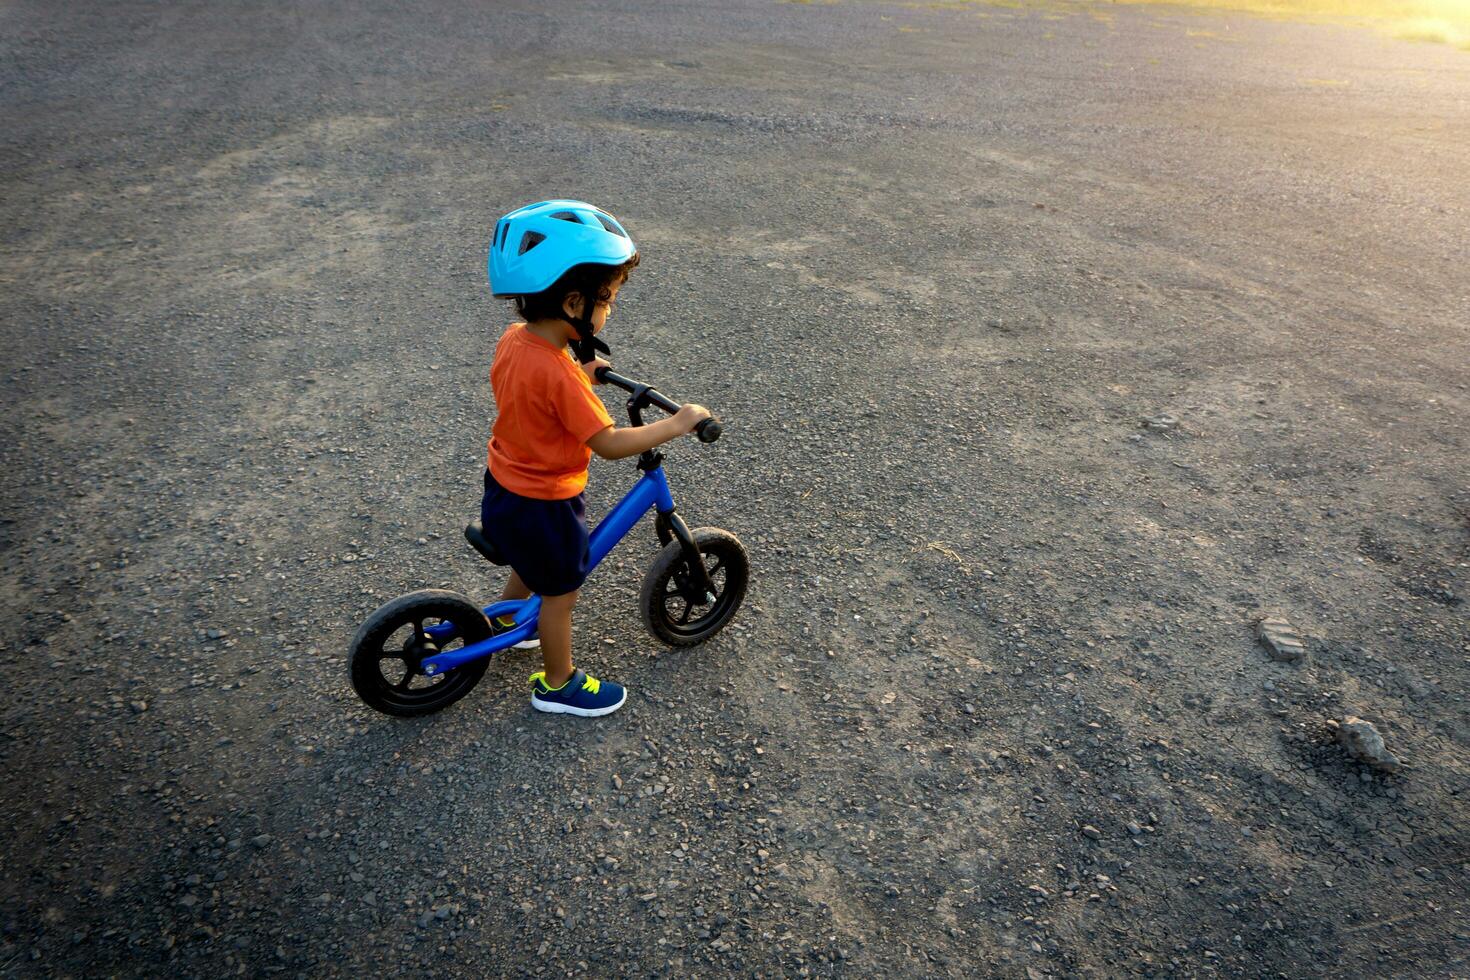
572	304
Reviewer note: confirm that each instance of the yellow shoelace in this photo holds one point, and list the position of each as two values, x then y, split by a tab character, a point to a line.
590	684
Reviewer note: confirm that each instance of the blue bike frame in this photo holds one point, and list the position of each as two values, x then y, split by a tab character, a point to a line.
651	490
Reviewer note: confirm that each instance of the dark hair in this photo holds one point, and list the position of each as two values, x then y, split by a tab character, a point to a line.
588	279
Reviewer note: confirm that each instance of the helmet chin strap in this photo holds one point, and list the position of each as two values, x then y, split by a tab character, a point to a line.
586	346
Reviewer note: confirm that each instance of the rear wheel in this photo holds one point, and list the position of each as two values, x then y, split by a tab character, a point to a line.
387	654
675	609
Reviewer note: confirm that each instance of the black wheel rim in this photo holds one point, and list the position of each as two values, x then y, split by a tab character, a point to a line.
687	617
396	672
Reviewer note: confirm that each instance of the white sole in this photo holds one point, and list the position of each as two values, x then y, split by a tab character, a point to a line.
533	644
553	708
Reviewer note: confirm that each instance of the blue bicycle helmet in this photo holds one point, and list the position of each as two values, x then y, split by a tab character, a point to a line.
535	245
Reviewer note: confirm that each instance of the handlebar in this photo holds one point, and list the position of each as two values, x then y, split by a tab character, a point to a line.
707	430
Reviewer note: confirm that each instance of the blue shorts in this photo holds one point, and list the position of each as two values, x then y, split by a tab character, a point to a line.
545	541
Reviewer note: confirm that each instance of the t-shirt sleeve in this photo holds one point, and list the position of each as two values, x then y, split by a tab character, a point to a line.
579	408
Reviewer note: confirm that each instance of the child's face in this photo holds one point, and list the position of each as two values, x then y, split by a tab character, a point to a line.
601	311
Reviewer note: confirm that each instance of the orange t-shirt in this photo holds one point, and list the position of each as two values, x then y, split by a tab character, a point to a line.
546	412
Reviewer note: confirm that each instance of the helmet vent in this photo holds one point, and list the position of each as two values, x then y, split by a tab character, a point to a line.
568	216
611	226
530	240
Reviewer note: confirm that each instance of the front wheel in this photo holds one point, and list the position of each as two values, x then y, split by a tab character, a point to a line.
672	606
386	657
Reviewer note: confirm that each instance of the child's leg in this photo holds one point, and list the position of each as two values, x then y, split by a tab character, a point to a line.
514	589
555	625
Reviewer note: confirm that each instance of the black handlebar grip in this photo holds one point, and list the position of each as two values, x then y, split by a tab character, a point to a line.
709	430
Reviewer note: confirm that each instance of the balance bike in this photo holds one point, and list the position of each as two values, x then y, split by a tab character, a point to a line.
423	651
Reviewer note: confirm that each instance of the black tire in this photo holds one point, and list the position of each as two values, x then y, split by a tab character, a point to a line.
394	633
665	599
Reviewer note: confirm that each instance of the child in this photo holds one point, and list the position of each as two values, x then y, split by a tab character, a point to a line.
563	262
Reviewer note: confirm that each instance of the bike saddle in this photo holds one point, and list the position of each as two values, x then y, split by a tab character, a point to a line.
474	533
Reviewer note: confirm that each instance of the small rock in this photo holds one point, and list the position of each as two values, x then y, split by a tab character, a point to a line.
1134	828
261	841
1281	640
1091	832
1159	423
139	707
1364	743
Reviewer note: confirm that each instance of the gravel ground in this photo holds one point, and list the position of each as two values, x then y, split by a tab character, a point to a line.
995	705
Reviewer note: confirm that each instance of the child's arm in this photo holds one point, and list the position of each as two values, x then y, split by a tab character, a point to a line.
615	443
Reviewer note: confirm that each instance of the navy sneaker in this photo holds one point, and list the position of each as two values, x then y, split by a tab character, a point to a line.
582	695
502	624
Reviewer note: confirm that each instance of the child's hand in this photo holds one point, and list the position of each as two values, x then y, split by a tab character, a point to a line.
591	368
689	416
